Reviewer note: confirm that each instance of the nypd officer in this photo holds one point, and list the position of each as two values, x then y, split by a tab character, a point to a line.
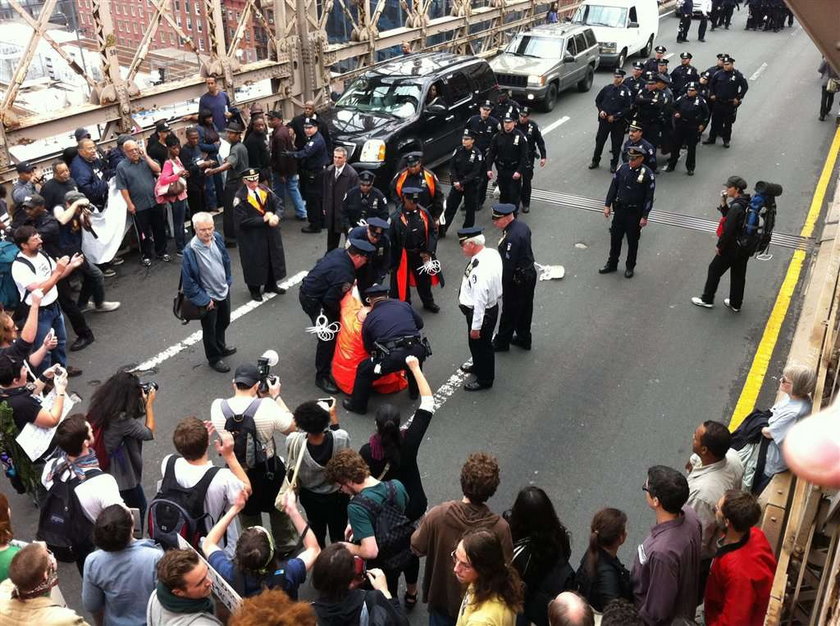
321	293
727	89
413	245
636	82
376	269
390	333
613	103
691	114
636	140
532	133
313	159
466	169
509	153
479	297
629	200
363	202
683	74
652	64
519	278
650	105
484	126
415	176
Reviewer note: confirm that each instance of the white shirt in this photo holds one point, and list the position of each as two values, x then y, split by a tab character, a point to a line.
338	171
271	421
481	286
24	276
95	494
706	485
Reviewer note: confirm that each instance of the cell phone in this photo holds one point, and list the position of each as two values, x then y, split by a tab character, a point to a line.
359	567
330	401
138	527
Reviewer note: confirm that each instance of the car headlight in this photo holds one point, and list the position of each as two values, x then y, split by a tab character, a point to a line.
608	46
537	81
373	151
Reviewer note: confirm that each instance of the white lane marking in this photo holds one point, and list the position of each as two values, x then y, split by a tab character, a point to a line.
452	384
196	336
671	12
554	125
669	55
759	72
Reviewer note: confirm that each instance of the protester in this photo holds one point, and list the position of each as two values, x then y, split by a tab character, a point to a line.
56	188
621	613
24	402
197	161
91	173
284	169
21	345
569	609
273	607
182	593
601	577
7	549
171	177
119	577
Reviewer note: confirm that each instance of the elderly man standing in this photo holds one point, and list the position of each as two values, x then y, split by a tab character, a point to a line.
206	279
136	182
338	179
91	173
258	213
235	164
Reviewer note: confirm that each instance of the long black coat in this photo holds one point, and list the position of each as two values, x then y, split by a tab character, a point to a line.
334	191
260	245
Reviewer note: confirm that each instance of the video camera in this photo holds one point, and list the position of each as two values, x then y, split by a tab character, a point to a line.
269	359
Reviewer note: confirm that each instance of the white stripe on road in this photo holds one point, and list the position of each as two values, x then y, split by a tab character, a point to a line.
759	72
554	125
452	385
196	336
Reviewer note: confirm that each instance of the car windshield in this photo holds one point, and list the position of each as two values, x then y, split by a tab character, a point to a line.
594	15
540	47
382	94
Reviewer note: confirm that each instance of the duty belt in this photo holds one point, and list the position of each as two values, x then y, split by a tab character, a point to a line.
399	342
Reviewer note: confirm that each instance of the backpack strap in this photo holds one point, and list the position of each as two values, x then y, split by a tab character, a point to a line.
169	479
250	411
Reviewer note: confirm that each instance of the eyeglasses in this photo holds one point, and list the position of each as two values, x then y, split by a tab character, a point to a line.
377	233
459	563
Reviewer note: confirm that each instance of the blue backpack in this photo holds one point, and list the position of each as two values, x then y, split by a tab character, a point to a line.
9	294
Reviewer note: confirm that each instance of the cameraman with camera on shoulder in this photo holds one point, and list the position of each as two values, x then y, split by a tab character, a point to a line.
255	415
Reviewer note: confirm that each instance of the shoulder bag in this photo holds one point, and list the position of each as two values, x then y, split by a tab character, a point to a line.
183	308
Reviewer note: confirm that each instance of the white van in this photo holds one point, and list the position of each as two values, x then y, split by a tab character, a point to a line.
622	27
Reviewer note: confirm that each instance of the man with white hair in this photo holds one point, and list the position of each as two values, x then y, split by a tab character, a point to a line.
479	298
206	278
569	609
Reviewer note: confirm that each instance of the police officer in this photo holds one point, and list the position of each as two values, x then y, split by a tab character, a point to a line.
413	244
466	169
519	278
636	140
629	200
683	74
321	293
684	10
509	153
532	133
313	159
691	114
613	103
390	333
662	67
479	297
364	202
726	93
636	82
713	69
651	106
415	176
652	64
484	126
376	269
505	106
666	125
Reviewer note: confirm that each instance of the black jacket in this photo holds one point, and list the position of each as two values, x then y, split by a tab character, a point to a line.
735	214
348	610
611	581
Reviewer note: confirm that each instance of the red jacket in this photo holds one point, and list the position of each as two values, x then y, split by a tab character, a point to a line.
739	584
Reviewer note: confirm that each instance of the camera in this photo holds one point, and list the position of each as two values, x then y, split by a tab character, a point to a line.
269	359
147	387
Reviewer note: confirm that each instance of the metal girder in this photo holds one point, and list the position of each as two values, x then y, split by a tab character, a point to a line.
821	20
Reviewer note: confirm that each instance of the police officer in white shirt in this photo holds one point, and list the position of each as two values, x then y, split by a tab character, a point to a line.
479	298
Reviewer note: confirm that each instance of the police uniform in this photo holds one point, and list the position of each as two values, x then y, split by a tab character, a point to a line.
509	153
505	107
691	114
613	103
484	129
663	82
684	10
651	104
635	84
682	75
647	148
652	64
362	205
466	168
313	159
425	181
376	269
532	133
724	89
478	299
390	333
519	279
321	292
630	198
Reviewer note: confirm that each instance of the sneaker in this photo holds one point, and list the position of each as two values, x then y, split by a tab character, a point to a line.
180	254
729	306
106	306
117	260
706	305
108	272
146	261
165	258
86	308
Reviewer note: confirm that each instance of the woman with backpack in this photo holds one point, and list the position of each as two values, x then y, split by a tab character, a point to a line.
601	577
391	454
115	413
541	551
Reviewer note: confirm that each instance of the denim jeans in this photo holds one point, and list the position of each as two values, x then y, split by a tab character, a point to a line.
50	317
93	284
179	210
292	186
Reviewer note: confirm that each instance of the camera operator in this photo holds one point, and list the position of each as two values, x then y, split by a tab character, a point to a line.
271	417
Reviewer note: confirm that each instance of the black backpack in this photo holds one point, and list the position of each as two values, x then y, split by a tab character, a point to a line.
249	450
177	510
62	523
391	528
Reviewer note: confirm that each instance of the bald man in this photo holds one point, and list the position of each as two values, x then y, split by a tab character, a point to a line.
569	609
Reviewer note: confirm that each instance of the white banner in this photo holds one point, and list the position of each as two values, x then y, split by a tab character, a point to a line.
110	226
221	589
34	440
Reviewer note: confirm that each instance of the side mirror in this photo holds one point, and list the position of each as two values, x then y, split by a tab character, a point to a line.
633	25
568	58
435	109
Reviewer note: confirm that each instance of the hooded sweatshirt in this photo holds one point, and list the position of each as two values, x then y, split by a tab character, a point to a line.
348	610
436	538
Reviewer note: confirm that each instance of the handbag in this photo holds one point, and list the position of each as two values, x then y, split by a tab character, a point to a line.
833	85
175	188
183	308
288	539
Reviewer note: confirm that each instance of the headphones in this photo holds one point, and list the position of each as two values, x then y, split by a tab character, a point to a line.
264	569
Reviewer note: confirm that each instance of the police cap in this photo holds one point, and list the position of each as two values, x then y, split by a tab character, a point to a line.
252	173
722	55
650	77
638	65
686	55
662	62
737	182
508	116
619	72
501	210
361	246
411	193
635	151
413	159
524	112
635	125
235	127
691	86
487	105
469	133
469	233
728	59
376	290
33	200
660	49
377	222
309	121
366	176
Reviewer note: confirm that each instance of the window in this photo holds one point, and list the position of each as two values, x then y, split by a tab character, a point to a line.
178	20
186	6
172	39
482	76
590	38
198	24
580	43
177	6
633	17
457	88
198	8
189	23
131	8
570	47
201	44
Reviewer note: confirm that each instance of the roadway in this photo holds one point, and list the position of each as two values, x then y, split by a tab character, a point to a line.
622	370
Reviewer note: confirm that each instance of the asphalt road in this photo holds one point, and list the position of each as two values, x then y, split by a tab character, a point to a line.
621	371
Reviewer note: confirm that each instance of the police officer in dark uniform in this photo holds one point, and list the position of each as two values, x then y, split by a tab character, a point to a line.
636	140
509	153
726	93
505	105
684	10
415	176
376	269
635	83
713	69
484	125
666	124
519	279
651	105
683	74
652	64
313	159
413	244
532	133
321	293
390	332
364	202
613	103
662	67
466	169
691	114
629	200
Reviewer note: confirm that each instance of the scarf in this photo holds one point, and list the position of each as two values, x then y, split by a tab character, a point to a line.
77	467
178	604
43	589
377	452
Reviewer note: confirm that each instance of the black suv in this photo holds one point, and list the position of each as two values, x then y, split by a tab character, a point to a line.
419	102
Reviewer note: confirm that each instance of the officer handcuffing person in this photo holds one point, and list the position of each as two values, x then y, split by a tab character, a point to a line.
376	269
